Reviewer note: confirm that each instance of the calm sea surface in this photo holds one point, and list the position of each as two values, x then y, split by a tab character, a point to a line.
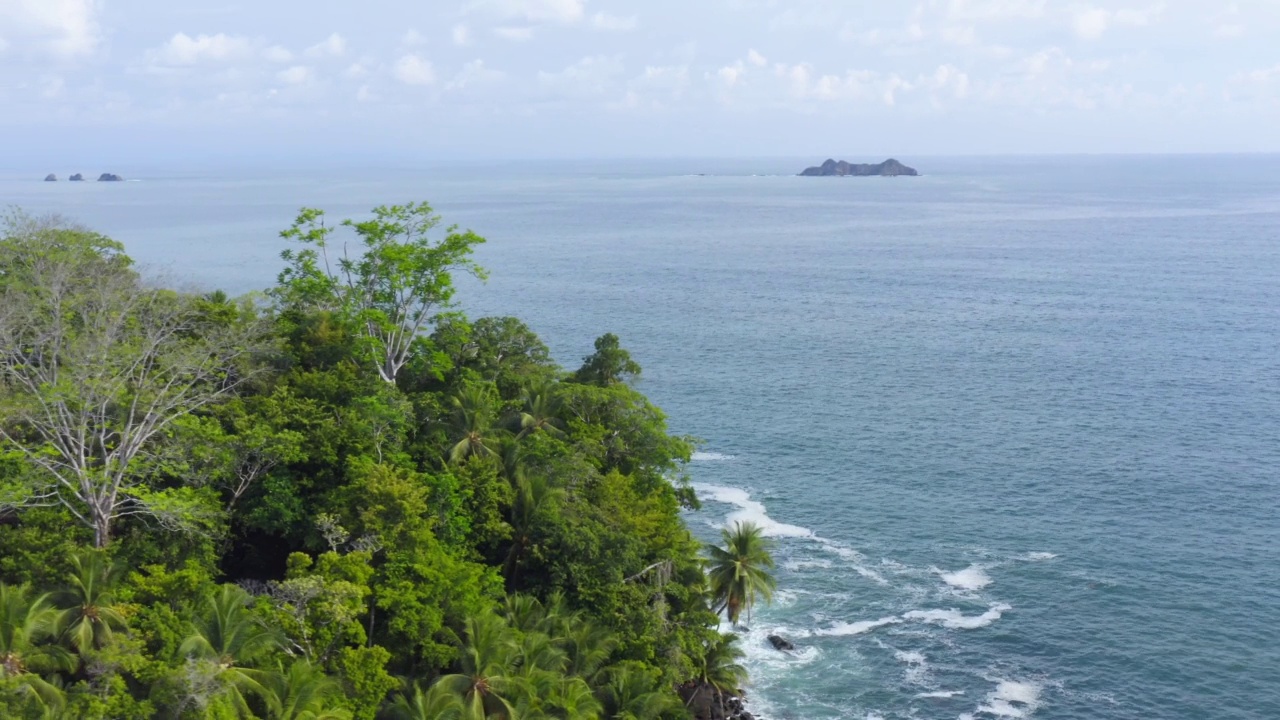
1014	426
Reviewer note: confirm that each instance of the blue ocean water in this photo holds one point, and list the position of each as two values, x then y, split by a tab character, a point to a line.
1013	426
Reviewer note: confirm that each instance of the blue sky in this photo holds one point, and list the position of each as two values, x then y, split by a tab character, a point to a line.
449	79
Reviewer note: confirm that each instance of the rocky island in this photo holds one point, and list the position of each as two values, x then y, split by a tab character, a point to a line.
888	168
51	178
76	178
110	177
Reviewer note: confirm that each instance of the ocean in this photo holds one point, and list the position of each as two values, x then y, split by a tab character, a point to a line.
1013	427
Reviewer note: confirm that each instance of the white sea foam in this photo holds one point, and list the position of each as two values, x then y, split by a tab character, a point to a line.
1038	556
1011	699
708	456
841	629
917	672
909	657
847	553
974	577
749	511
940	694
797	565
957	620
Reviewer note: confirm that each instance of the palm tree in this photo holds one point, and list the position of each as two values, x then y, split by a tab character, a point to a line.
303	692
534	497
227	636
574	700
633	694
91	616
719	669
541	410
436	703
739	571
587	646
474	407
487	685
25	622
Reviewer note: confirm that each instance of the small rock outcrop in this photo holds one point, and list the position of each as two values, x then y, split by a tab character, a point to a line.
109	177
888	168
780	643
76	178
51	178
706	703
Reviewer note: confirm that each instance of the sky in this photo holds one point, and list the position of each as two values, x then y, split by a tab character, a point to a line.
151	80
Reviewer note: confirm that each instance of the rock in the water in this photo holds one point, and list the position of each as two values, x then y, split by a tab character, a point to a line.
76	178
109	177
888	168
51	178
781	643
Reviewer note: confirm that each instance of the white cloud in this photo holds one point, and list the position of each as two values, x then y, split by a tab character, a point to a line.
182	49
756	58
1229	31
472	74
961	35
413	70
514	33
461	35
333	46
366	95
277	54
296	75
603	21
65	29
995	10
730	74
413	38
1091	22
590	76
357	70
534	11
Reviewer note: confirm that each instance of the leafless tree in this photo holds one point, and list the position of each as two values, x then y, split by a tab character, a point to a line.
95	367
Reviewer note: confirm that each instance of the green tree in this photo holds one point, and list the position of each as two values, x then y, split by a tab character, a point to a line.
739	571
27	623
434	703
400	285
303	692
719	667
92	615
541	411
487	681
609	364
474	413
226	640
535	499
633	692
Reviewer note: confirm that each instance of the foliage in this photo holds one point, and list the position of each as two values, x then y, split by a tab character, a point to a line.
739	571
354	503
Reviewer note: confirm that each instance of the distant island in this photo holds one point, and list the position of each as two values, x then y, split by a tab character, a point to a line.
888	168
104	177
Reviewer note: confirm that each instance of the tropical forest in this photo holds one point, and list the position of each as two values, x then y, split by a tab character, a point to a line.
339	498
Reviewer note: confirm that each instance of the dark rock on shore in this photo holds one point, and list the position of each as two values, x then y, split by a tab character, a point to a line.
706	703
51	178
109	177
781	643
888	168
76	178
